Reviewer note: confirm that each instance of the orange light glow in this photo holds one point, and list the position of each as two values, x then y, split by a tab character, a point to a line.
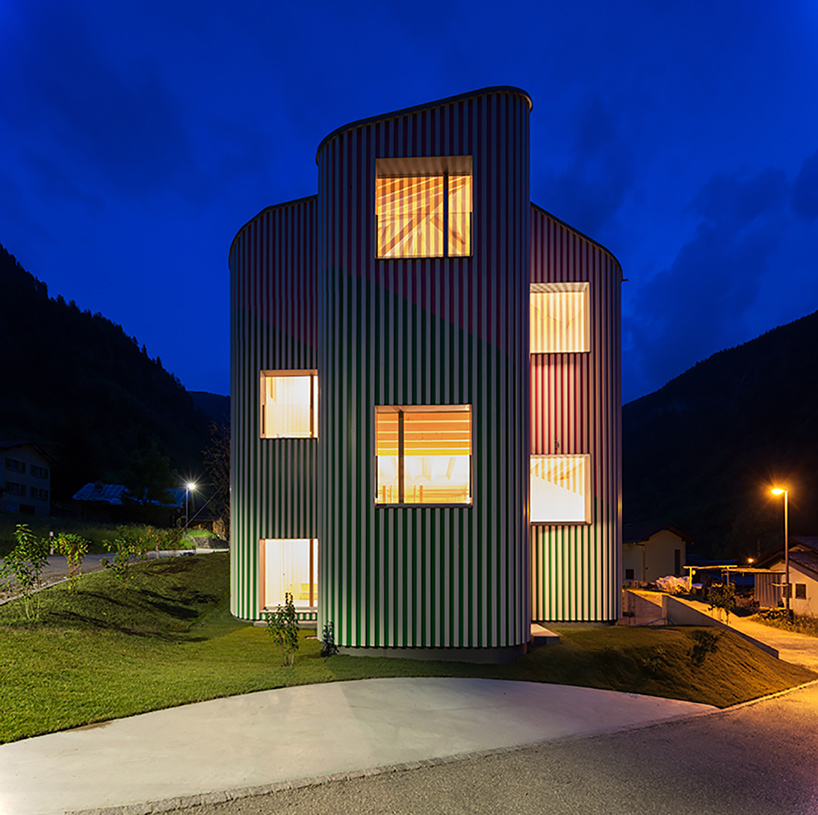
778	491
559	323
289	404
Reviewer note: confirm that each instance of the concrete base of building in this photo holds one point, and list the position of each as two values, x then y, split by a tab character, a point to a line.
479	656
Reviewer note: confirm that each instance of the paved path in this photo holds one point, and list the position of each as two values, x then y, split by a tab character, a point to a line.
261	739
755	759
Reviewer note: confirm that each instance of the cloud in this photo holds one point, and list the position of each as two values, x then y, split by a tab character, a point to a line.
600	173
805	189
698	305
115	123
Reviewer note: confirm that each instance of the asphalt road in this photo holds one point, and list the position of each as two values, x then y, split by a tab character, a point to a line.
757	759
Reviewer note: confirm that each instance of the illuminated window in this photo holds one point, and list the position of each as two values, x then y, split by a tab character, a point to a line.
559	318
423	454
289	566
289	404
560	489
423	207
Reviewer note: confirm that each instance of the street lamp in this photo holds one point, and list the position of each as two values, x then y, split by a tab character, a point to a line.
781	491
188	487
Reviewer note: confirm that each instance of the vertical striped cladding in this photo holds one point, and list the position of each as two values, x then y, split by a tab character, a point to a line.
426	331
575	408
273	327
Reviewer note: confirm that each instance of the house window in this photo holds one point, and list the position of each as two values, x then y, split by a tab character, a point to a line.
289	566
629	574
559	318
15	466
39	494
289	404
800	591
560	489
423	454
423	207
39	472
15	489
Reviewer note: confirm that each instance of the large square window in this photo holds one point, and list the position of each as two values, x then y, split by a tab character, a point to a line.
289	404
423	454
423	207
560	489
559	318
289	566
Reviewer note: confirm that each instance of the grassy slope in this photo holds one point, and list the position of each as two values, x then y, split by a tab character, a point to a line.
166	638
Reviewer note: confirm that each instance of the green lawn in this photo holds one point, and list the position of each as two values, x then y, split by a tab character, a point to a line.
166	638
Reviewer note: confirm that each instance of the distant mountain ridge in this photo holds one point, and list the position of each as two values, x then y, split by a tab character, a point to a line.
215	406
76	384
702	452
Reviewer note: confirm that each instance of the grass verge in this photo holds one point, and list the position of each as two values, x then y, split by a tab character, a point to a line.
777	618
166	637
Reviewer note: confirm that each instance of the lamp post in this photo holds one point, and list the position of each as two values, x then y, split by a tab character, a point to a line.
781	491
188	487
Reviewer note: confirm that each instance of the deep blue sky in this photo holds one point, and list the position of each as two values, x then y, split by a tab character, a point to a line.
137	136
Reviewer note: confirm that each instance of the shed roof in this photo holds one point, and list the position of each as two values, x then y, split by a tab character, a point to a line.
100	493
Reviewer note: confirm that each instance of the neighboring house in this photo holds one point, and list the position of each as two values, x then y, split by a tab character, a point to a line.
653	551
426	394
803	557
106	502
25	486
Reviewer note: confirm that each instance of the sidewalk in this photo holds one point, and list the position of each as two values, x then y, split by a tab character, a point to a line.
796	648
229	748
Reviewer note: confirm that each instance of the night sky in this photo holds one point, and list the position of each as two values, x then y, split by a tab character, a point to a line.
136	138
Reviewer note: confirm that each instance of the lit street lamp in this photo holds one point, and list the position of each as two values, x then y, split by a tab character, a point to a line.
780	491
188	487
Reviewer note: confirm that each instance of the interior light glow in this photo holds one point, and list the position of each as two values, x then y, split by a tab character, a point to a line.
559	318
289	404
560	489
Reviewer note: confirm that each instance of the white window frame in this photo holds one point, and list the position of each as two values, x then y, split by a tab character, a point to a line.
587	490
265	604
313	374
583	287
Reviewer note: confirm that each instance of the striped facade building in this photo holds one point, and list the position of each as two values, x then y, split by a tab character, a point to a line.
425	394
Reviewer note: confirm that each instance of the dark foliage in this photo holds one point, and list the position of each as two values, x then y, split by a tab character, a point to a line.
702	452
76	384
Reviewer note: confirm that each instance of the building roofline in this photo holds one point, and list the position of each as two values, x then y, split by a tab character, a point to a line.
382	117
293	203
579	234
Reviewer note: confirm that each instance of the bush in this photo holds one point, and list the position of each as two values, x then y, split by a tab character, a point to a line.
23	566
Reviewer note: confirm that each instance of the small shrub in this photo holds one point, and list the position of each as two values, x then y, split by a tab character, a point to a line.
723	598
282	626
705	642
73	548
24	565
328	646
130	546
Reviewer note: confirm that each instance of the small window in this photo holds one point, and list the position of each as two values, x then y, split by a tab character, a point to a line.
800	591
423	454
39	494
559	318
39	472
560	489
423	207
15	489
15	466
629	574
289	404
289	566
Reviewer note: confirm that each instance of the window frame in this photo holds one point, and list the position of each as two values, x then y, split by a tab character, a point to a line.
580	286
456	408
588	490
425	167
313	574
306	372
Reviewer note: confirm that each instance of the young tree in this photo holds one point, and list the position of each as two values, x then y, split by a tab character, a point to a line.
73	548
282	625
723	598
24	566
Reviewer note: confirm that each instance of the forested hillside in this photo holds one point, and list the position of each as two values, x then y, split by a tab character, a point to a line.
80	387
702	452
